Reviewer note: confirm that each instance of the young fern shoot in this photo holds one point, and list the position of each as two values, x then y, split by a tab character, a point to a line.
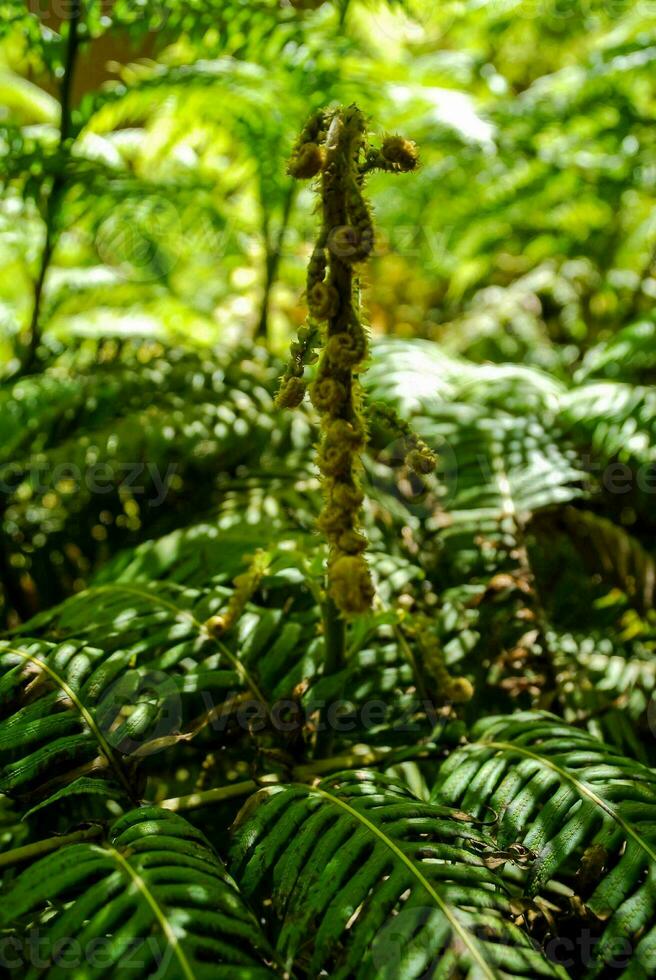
333	147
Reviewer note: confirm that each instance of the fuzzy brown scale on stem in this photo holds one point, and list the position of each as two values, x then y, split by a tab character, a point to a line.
332	146
343	424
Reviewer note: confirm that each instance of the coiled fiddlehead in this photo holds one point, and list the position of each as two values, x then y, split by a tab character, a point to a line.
333	147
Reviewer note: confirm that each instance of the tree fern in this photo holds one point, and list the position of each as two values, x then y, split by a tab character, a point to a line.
512	464
153	880
115	471
568	797
378	698
615	554
614	419
628	354
136	668
389	886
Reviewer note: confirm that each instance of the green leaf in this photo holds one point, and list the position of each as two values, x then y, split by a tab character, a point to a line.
388	886
153	894
563	795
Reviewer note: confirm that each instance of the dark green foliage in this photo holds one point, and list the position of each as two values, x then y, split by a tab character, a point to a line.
157	881
134	680
104	693
587	814
114	443
385	883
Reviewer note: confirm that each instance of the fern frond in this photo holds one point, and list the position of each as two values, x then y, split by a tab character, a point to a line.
614	419
389	886
501	470
499	461
605	684
629	355
135	668
563	795
615	554
378	697
153	894
95	453
42	745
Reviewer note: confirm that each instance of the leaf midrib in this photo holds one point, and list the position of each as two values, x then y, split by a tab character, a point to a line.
584	789
159	600
470	943
84	712
157	910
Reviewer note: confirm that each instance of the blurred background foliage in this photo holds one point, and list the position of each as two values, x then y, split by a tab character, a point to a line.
528	233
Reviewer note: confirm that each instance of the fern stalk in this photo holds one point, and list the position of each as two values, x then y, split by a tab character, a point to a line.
301	774
333	147
58	186
29	852
273	249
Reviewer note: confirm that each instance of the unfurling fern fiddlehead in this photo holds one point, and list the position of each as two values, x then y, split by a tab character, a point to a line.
333	146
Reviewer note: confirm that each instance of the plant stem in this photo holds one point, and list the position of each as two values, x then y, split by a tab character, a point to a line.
343	11
35	850
273	255
359	756
69	71
523	559
412	660
56	191
334	628
207	796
